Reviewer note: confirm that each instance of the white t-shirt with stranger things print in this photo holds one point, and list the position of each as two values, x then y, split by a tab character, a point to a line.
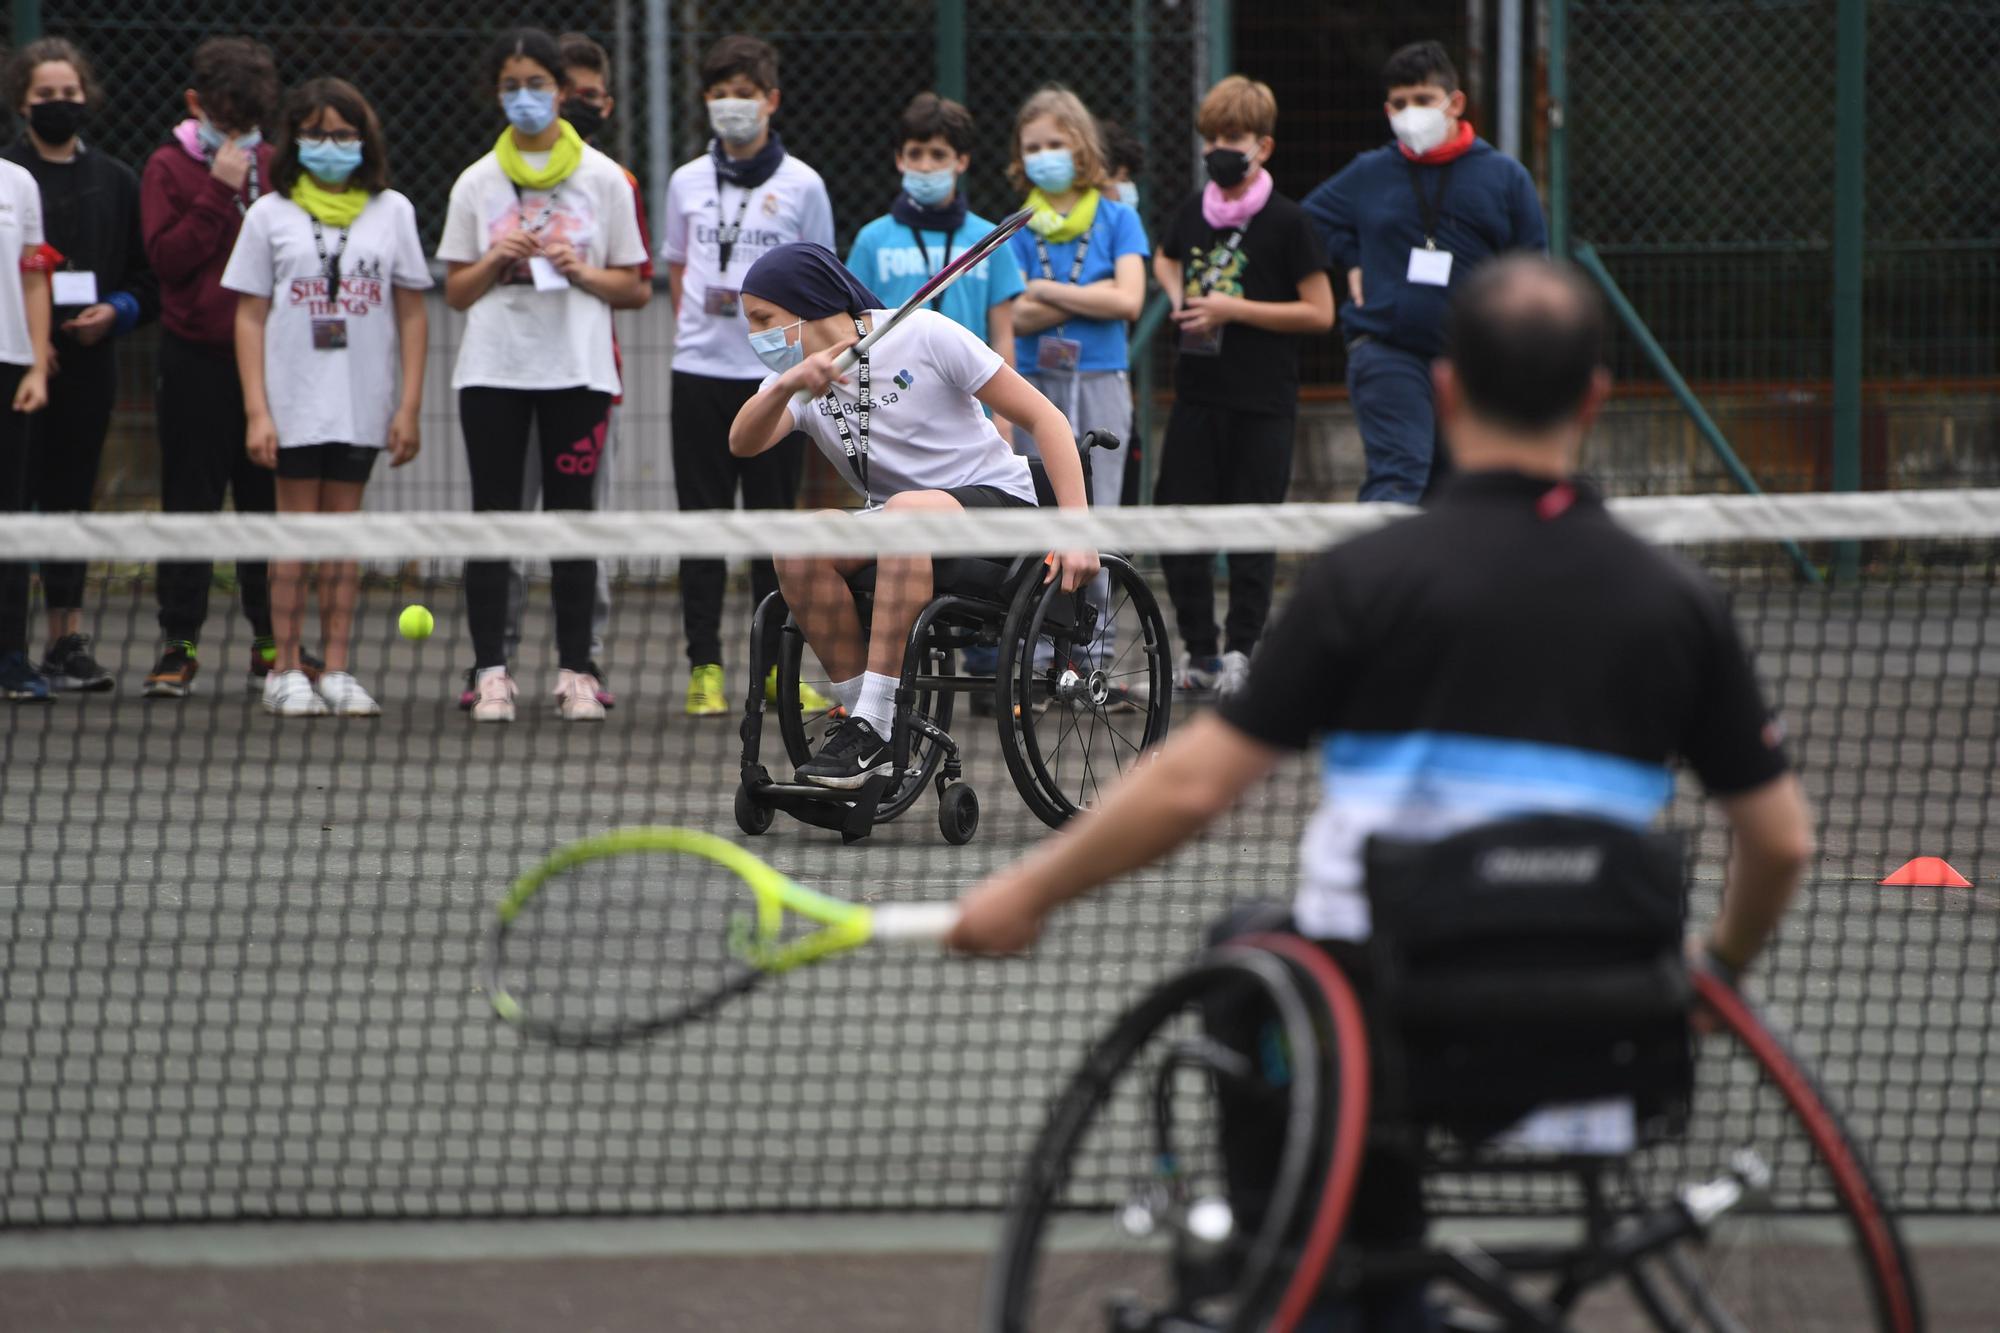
926	431
332	368
515	336
711	336
20	227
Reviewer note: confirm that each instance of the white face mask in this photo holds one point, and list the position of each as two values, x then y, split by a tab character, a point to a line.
1419	128
1128	194
736	120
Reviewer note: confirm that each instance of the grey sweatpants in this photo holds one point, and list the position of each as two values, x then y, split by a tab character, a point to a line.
1092	400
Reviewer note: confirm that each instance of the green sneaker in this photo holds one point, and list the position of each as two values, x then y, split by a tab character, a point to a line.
810	700
705	692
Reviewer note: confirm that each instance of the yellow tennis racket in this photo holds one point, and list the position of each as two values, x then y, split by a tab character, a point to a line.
633	932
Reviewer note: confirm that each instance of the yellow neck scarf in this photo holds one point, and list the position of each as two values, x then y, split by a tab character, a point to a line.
335	208
1053	226
564	157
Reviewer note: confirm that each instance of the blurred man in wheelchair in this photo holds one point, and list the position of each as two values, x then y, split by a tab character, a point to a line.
1512	652
905	430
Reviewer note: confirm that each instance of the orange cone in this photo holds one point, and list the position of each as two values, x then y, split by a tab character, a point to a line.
1927	872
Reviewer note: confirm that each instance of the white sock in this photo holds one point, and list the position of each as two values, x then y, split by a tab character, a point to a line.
486	673
847	693
877	702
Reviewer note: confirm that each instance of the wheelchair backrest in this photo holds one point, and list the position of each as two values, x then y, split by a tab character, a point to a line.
1532	961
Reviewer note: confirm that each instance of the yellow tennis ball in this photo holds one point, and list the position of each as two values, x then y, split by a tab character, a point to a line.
416	622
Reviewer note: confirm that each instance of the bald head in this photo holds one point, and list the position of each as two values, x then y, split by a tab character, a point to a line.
1525	338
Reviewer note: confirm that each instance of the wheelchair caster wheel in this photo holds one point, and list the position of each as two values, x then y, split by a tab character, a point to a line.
958	814
752	818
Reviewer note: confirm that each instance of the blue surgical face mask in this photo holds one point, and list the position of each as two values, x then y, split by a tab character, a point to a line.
329	161
1052	170
772	349
930	188
212	139
529	110
1128	194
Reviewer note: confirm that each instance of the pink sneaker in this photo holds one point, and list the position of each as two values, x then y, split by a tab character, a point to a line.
495	699
576	697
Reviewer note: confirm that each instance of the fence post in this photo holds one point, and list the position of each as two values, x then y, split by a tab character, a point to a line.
1221	40
1850	107
659	107
27	21
951	49
1559	128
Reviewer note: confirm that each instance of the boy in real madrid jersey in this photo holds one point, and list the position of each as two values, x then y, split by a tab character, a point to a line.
746	195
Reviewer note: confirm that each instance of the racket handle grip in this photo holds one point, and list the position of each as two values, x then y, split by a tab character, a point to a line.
917	923
841	364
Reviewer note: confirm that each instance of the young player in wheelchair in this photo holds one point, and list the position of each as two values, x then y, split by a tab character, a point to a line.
907	430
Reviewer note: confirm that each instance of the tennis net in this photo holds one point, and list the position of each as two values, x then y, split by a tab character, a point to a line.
240	976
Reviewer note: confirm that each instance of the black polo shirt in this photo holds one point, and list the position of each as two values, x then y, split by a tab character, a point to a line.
1510	651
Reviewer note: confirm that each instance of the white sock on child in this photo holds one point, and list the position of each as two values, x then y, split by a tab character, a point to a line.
877	702
847	693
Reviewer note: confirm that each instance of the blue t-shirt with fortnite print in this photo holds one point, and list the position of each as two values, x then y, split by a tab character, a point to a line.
893	261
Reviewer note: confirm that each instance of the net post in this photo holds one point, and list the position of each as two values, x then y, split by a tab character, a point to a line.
1559	128
1850	108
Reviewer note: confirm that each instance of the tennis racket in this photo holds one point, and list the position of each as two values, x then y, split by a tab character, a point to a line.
932	287
640	930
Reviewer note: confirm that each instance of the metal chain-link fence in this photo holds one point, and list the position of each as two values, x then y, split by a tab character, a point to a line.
1703	170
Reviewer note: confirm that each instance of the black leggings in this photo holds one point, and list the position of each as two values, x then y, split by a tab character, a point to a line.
570	423
65	446
13	500
1218	456
200	406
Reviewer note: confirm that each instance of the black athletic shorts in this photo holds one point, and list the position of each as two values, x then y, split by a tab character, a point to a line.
328	462
987	497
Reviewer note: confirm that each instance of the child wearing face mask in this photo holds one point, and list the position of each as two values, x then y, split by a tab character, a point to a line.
1247	278
103	289
1404	224
193	195
541	243
746	195
331	274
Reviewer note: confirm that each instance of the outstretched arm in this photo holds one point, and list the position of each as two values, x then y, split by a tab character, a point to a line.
1195	777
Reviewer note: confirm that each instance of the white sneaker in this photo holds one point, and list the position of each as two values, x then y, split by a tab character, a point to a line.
1235	674
494	698
576	697
290	694
1193	679
344	695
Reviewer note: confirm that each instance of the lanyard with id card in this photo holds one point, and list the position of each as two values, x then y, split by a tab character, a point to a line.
857	453
1055	352
537	271
73	287
329	332
1430	266
1220	262
719	300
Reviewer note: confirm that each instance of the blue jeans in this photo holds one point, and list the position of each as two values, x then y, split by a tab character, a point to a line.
1391	391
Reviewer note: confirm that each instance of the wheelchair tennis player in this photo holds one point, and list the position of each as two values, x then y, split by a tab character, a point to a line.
905	430
1510	652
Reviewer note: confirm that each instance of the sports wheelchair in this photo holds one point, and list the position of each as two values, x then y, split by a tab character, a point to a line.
1258	1144
1072	713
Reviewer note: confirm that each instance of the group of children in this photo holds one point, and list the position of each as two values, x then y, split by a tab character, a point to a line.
288	277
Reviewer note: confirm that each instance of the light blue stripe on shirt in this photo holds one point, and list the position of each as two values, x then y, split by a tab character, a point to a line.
1482	771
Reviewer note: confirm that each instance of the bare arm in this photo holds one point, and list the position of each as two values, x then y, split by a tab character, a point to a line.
1000	337
1032	316
1195	777
1311	313
1772	844
1171	276
413	331
1023	404
261	433
1120	296
465	283
767	417
620	288
32	393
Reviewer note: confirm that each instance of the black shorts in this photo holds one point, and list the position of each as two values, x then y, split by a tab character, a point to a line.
328	462
987	497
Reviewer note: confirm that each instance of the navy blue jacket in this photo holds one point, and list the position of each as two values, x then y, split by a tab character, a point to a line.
1368	217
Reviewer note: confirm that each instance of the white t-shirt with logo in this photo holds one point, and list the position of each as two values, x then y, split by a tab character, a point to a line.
520	338
790	206
20	227
321	393
926	431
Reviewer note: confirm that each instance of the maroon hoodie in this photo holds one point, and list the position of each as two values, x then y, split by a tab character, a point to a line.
189	221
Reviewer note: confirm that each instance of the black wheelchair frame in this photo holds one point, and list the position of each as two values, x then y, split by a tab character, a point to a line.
1000	603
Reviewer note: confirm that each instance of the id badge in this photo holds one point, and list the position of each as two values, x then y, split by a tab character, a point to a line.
1429	268
719	301
72	288
1201	344
548	278
1058	354
329	335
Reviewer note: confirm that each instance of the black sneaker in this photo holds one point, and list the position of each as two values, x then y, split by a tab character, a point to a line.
69	666
851	755
173	675
20	682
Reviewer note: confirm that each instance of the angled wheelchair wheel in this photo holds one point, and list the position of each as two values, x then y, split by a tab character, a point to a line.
1085	688
803	731
1125	1217
1765	1213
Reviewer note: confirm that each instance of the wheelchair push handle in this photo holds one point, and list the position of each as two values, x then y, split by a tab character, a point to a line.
1097	439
